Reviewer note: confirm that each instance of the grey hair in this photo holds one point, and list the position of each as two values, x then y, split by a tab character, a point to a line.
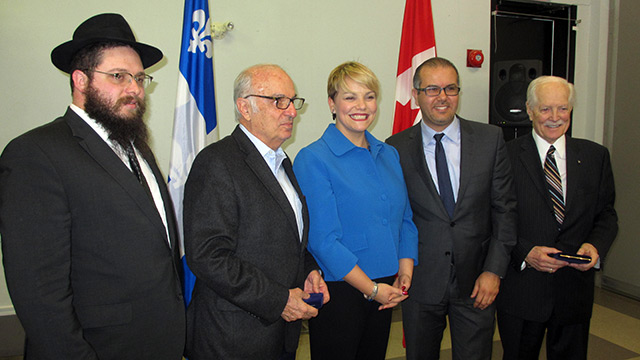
243	85
532	90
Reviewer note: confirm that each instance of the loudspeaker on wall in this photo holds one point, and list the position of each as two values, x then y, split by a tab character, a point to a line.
509	81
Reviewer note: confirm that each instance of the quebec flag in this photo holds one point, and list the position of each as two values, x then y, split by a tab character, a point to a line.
195	113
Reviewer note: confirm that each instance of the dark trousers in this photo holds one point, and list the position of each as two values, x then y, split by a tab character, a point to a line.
349	326
522	339
287	356
471	329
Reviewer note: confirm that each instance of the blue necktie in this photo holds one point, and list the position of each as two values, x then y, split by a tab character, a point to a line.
444	181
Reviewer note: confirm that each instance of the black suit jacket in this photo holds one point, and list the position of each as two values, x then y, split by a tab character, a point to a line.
86	256
482	232
243	245
589	217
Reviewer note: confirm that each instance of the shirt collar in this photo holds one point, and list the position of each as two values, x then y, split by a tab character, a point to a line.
273	158
543	146
452	132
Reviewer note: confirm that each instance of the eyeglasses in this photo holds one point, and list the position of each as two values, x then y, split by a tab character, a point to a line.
282	102
449	90
120	78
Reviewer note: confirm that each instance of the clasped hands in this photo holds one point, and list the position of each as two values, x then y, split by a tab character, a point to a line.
391	295
539	259
296	308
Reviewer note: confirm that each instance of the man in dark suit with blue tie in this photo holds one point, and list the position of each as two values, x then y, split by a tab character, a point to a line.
565	194
246	230
461	192
88	230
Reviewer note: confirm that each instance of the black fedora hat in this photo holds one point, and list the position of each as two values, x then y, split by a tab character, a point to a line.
102	28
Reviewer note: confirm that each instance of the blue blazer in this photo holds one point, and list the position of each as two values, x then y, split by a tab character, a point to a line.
358	206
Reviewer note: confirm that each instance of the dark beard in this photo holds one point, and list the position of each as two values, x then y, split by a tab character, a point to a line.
121	129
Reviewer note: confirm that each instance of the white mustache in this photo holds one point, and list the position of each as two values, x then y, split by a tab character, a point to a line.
551	123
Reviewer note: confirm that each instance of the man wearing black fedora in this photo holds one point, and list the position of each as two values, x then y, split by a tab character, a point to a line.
88	230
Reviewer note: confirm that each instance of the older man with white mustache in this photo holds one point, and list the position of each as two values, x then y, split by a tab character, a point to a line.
566	224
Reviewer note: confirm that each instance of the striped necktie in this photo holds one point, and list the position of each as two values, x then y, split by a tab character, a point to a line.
554	184
136	169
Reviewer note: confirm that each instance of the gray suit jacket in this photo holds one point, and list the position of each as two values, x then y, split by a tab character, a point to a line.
88	265
242	243
589	217
482	232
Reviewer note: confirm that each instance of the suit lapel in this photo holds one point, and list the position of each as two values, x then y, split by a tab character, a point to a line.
420	164
467	161
257	164
147	154
286	163
100	151
530	159
573	172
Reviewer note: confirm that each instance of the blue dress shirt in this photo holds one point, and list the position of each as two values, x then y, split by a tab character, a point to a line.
358	206
451	144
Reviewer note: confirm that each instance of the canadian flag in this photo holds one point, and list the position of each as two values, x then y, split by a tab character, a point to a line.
418	43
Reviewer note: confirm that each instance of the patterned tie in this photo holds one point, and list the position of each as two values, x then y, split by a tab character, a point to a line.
135	168
444	180
554	184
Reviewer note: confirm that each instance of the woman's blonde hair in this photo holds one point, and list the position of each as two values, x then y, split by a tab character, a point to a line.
354	71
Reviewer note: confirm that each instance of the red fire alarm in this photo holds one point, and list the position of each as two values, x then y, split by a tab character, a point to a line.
474	58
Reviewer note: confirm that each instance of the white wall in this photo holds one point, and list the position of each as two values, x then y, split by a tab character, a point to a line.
307	38
321	37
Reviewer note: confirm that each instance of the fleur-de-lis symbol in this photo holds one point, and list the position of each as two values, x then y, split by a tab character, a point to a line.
201	34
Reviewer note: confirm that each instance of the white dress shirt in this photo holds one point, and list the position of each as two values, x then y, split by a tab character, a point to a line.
560	156
274	161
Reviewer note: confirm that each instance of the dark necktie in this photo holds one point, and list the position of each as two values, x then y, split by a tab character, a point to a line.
554	184
444	180
136	169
